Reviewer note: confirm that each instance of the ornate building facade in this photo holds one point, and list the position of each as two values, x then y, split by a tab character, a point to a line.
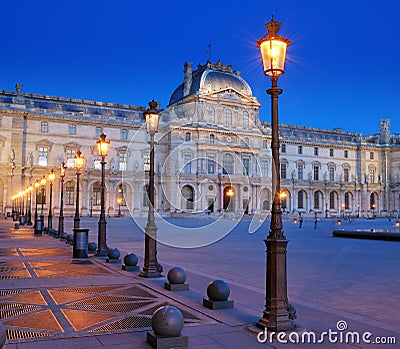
213	154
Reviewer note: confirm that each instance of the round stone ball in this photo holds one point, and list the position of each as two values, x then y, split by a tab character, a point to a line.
167	321
3	335
92	246
113	253
218	290
131	259
176	275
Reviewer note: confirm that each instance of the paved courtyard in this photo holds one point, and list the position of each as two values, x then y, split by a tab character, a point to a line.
329	279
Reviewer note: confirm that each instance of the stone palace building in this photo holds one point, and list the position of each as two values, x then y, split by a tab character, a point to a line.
213	154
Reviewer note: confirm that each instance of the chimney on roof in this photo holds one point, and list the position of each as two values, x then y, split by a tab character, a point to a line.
187	81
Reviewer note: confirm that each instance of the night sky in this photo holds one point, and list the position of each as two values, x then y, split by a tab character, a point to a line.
342	68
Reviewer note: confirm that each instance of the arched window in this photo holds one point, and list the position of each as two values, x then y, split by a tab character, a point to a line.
266	205
372	201
187	197
228	164
69	193
317	198
120	195
211	114
212	139
347	201
332	200
300	199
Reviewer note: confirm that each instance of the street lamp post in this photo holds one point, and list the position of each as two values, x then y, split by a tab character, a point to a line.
52	177
78	160
42	193
63	169
151	267
29	215
278	315
35	224
102	148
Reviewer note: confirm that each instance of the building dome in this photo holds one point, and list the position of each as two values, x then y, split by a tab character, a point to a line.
210	78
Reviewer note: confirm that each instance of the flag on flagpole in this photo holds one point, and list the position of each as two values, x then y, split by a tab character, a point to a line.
209	47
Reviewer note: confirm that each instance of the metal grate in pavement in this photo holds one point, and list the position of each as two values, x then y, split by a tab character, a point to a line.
8	252
11	312
90	289
20	334
48	252
116	308
103	299
124	324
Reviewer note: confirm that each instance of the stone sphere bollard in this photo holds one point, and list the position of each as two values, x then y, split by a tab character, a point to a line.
131	259
113	253
64	235
3	335
218	290
92	246
167	321
176	275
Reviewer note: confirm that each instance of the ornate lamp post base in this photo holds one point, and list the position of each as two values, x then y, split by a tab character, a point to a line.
278	314
151	268
102	249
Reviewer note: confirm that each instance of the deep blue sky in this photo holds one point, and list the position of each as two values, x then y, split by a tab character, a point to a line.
342	69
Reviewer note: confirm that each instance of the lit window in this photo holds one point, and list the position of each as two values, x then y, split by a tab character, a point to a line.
97	193
122	163
43	154
70	157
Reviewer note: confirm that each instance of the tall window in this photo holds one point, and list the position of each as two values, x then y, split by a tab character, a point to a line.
346	175
265	144
69	193
300	149
212	139
228	116
246	166
70	153
44	127
316	173
99	131
283	148
316	151
124	134
187	168
300	168
245	119
227	163
146	162
264	168
317	196
330	152
120	195
43	154
300	199
372	201
283	170
187	137
146	200
371	175
122	161
72	129
211	114
371	155
347	201
346	153
97	193
332	200
331	174
246	141
211	165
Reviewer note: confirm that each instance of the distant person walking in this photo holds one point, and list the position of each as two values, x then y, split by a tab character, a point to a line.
300	220
315	221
